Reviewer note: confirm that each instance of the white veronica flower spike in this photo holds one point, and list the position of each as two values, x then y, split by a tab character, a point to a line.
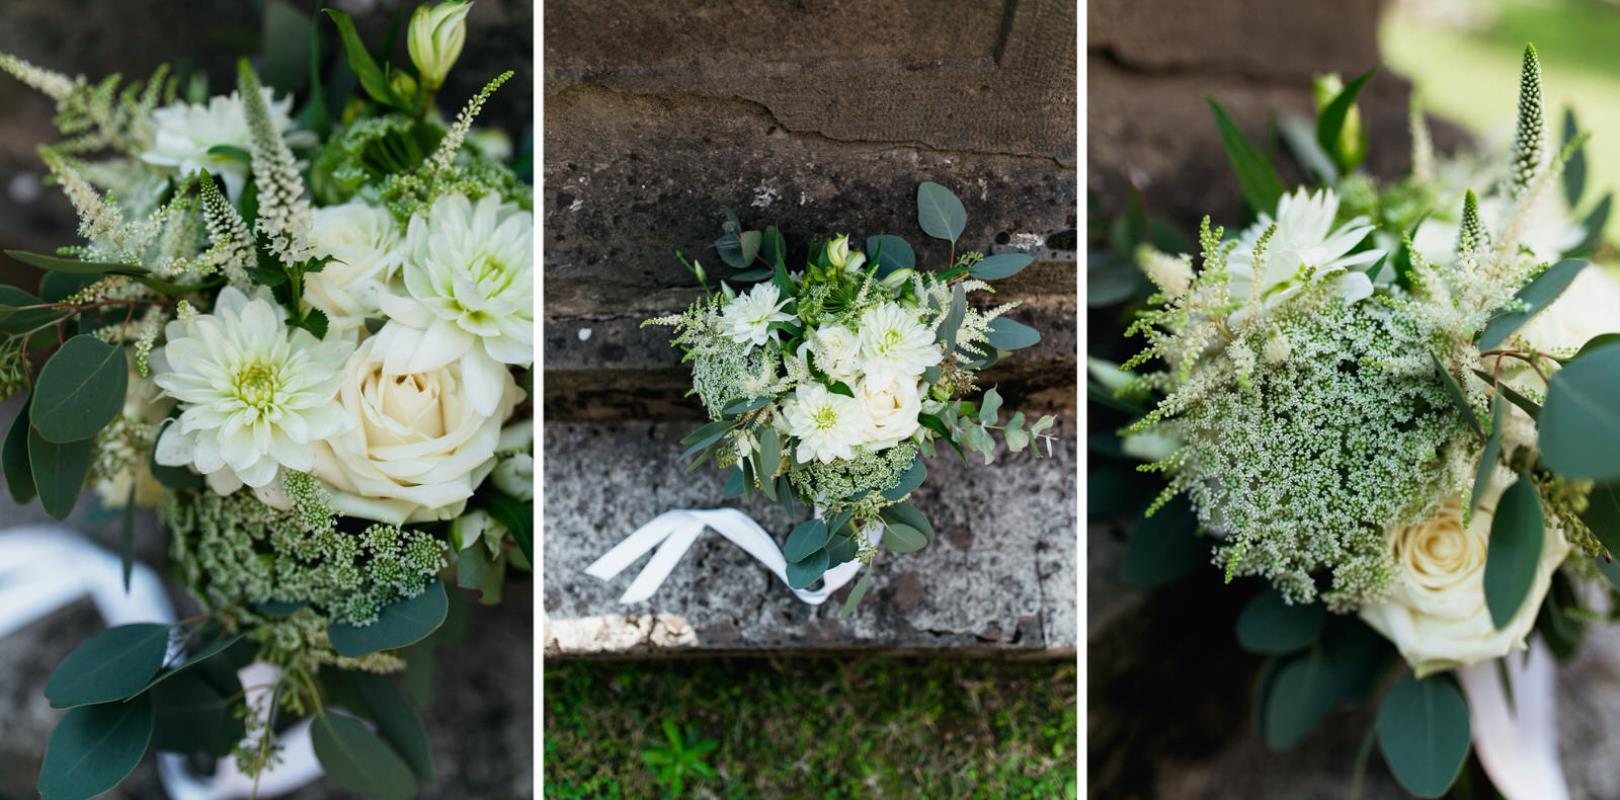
468	273
747	318
1305	239
255	398
895	345
827	425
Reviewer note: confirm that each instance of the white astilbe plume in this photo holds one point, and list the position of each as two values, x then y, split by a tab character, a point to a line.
285	219
1422	143
52	84
111	237
457	135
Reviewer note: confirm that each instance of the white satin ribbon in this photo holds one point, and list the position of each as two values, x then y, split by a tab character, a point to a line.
1517	740
673	533
44	567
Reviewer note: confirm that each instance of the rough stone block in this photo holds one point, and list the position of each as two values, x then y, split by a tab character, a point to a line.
999	579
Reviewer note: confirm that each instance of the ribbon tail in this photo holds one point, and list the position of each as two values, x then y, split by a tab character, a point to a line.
1517	739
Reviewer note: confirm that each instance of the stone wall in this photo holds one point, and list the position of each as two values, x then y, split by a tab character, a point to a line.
481	721
820	118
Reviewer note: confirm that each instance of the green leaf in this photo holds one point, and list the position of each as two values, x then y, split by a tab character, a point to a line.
1164	547
1424	733
1008	334
14	458
1580	421
807	537
1458	399
750	241
399	624
126	535
907	514
115	664
1330	123
909	481
192	716
359	760
1574	175
1345	665
285	47
94	748
891	253
372	77
770	455
1269	624
397	721
990	407
1256	177
1602	515
59	471
742	407
953	318
80	390
517	516
903	538
805	572
1489	456
13	317
774	248
736	484
1517	532
1003	265
1526	404
71	265
1537	294
1594	224
856	595
233	153
939	213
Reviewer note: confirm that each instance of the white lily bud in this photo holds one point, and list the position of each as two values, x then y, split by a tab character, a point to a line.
436	36
838	251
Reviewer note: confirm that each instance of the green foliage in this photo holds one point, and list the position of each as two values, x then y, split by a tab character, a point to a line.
939	213
1297	692
398	624
1579	422
1518	530
1535	296
1270	624
1336	124
1164	547
113	665
80	390
59	471
862	727
95	747
1256	176
677	761
1423	732
359	760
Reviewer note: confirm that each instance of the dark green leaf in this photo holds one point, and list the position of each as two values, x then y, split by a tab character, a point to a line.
13	317
1330	123
1575	168
233	153
1517	532
803	573
907	514
1526	404
1458	399
192	716
741	407
909	481
1538	294
59	471
112	665
1256	177
1594	223
1424	733
285	47
1009	334
399	624
856	595
79	391
126	535
1580	420
517	516
996	267
384	704
774	248
94	748
372	77
1600	340
939	213
807	537
891	253
1300	694
1603	516
14	458
359	760
72	265
736	483
1489	456
1269	624
903	538
750	242
1164	547
770	455
56	287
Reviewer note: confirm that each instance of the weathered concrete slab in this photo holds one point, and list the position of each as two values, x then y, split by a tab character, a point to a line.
999	579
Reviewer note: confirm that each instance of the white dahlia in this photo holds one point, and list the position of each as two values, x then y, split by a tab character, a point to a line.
747	318
827	425
255	396
182	134
895	345
1306	240
364	249
469	296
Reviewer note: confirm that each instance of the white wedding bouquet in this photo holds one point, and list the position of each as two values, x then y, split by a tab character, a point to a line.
828	386
307	340
1394	405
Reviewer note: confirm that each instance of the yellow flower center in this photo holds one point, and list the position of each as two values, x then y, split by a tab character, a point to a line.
825	418
257	385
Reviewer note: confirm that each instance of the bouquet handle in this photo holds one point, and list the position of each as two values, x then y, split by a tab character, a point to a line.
674	532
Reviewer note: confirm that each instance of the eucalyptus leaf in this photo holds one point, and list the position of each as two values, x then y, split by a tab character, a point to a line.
1536	295
990	407
16	317
953	318
398	624
1164	547
1458	399
80	390
912	478
59	471
902	538
1489	456
94	748
801	574
1512	395
856	595
1003	265
1517	533
192	716
113	665
71	265
907	514
397	721
1010	334
1424	733
1270	624
770	454
14	458
939	212
1602	515
890	253
359	760
807	537
1580	420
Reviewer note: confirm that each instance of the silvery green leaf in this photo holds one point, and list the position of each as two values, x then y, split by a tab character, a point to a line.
990	408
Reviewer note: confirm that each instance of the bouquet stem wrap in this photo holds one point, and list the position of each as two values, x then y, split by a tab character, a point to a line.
674	532
43	568
1516	737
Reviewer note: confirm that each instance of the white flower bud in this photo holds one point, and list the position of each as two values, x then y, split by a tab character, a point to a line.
436	36
514	475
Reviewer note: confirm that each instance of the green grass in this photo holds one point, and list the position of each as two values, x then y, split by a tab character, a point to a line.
851	727
1472	76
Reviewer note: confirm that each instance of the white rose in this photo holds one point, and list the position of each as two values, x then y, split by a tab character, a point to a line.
837	352
891	409
365	249
418	449
1435	612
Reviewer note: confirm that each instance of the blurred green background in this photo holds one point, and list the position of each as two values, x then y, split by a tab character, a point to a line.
1462	57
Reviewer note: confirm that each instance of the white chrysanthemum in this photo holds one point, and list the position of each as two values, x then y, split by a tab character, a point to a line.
827	425
895	345
1305	239
837	352
182	134
468	276
364	249
255	397
747	318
